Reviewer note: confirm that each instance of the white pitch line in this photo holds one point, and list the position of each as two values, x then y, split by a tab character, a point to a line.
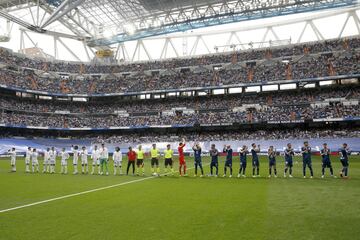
81	193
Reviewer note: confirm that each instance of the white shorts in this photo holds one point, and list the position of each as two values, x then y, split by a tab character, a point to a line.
117	163
27	161
84	162
35	163
52	162
75	162
64	163
96	162
13	161
46	161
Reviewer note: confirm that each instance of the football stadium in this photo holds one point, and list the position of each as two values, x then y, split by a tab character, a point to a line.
163	119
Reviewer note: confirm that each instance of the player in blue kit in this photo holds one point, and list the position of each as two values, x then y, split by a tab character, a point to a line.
289	153
306	153
243	152
255	159
344	153
228	162
197	156
326	163
214	153
272	161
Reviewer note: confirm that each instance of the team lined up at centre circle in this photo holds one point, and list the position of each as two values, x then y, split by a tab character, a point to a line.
100	160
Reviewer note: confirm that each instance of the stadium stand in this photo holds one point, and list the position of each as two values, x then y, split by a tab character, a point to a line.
309	61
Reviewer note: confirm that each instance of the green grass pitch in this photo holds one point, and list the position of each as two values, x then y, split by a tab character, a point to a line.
182	208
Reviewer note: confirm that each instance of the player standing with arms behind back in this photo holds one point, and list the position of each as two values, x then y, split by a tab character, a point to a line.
46	163
27	159
12	154
117	157
34	161
344	159
52	154
84	161
255	159
306	152
168	155
182	162
140	161
289	153
154	153
131	160
95	160
75	159
64	161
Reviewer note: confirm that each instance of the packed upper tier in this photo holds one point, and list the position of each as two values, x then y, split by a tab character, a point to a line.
313	60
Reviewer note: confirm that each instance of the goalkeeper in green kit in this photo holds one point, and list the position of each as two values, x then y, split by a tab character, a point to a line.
104	159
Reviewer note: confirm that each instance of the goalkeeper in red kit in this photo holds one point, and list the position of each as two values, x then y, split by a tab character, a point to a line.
182	163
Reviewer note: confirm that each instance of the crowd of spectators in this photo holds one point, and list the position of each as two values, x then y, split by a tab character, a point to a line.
310	65
215	102
236	135
251	115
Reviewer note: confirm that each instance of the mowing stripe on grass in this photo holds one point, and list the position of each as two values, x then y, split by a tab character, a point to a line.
82	193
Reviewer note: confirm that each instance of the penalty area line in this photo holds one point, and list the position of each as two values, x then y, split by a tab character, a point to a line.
80	193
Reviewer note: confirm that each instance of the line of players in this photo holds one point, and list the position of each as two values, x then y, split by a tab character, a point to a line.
100	160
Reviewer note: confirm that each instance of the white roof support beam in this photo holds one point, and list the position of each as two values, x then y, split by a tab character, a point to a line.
86	51
62	10
56	52
137	51
357	20
302	32
122	53
17	20
68	49
168	42
265	25
316	31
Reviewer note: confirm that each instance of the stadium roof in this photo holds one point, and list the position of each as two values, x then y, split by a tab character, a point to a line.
105	22
130	25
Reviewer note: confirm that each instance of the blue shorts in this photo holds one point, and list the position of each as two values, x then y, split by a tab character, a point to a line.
326	164
272	162
214	164
289	163
307	163
198	163
243	164
256	163
345	163
228	163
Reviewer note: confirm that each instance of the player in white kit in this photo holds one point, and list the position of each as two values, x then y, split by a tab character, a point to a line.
34	161
75	159
95	160
52	162
84	160
117	157
46	161
27	159
64	161
12	154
